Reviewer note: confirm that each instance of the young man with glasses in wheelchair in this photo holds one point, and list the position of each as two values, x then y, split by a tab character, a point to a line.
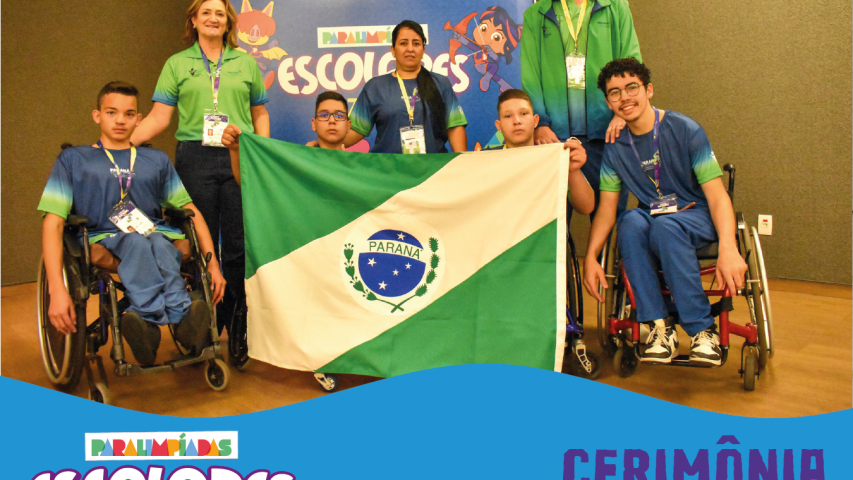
121	189
666	161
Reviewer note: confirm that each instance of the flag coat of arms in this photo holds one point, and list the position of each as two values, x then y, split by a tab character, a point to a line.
384	264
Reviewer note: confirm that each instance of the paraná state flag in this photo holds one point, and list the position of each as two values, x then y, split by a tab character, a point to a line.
384	264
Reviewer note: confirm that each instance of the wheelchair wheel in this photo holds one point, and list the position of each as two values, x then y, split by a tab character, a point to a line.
589	369
101	394
62	355
574	282
625	361
759	298
216	374
609	263
750	368
328	381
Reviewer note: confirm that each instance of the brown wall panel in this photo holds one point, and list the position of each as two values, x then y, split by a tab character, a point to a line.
56	56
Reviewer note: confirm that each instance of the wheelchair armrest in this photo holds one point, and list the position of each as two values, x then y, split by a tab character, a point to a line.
76	220
179	213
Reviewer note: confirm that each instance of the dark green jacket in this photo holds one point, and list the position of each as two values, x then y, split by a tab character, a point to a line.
543	65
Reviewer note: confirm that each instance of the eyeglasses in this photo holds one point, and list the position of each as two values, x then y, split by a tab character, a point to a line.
324	116
615	94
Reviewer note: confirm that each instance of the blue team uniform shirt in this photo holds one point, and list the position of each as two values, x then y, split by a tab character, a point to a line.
687	162
381	104
84	182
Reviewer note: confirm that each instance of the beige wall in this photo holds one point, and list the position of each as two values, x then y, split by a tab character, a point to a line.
769	80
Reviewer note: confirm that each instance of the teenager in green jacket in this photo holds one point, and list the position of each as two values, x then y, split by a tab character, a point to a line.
552	48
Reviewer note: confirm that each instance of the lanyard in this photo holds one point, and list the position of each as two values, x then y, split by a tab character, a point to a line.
124	191
569	21
656	146
410	106
214	80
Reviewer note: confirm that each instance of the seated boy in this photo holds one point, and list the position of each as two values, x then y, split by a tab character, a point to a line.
517	122
330	122
666	161
92	181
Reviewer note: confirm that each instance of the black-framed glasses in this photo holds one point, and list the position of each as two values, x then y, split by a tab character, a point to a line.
339	116
615	94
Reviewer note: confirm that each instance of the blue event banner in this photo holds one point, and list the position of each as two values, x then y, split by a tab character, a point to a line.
306	48
462	422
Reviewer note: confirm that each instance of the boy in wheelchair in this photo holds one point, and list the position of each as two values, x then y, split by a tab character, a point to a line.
120	189
666	161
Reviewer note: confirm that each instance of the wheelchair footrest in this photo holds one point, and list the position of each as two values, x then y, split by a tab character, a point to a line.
684	361
129	369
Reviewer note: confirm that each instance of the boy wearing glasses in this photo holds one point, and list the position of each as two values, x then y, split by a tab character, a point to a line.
666	161
330	122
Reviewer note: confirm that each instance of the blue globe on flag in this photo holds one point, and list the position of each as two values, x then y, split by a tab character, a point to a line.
394	263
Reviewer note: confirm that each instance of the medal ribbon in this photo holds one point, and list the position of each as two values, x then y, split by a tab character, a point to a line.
569	21
656	146
214	80
410	105
124	191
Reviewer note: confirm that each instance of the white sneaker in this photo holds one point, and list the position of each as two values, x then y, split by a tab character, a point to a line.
663	344
705	347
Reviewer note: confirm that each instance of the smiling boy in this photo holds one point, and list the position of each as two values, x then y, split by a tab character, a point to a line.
92	181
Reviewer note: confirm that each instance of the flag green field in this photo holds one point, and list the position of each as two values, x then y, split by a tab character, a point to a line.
384	264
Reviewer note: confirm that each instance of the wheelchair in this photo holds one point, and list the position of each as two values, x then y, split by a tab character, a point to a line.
577	359
88	270
619	332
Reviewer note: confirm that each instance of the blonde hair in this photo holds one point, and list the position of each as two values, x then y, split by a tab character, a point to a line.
230	37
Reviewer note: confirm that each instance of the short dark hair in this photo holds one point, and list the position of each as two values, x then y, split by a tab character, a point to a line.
329	96
622	67
123	88
511	94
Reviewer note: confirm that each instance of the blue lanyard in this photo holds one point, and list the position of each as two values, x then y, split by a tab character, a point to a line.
214	80
656	146
124	191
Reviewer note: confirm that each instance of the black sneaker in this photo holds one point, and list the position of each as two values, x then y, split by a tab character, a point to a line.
194	330
142	337
705	347
662	345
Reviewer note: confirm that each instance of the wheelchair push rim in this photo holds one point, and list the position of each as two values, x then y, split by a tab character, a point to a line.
61	354
764	317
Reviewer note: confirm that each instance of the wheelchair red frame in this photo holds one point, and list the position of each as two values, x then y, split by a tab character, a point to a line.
620	337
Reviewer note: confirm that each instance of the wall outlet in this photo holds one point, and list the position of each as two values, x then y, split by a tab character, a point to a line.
765	224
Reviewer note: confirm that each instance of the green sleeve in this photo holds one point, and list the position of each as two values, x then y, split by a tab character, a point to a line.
629	46
531	76
258	93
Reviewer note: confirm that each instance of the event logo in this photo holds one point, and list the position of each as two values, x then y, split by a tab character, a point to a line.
375	36
349	71
161	446
391	263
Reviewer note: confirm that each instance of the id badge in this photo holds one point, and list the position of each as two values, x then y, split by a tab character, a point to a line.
214	127
413	140
129	219
576	70
665	204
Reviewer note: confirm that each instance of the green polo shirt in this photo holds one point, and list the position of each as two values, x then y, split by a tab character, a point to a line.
184	83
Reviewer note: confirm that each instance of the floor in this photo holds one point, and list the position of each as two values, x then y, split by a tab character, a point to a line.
811	372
